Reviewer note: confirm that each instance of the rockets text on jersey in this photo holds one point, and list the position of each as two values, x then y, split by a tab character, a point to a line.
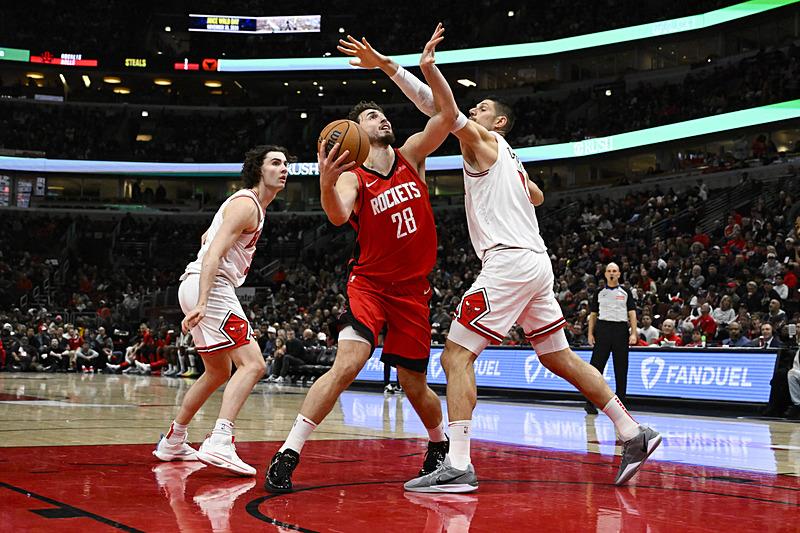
396	234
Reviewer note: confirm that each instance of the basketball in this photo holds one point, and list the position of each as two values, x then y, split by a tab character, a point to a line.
350	136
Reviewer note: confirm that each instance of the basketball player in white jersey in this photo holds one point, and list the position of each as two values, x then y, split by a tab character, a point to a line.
515	284
221	331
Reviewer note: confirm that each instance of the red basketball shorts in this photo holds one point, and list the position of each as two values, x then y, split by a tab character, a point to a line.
402	308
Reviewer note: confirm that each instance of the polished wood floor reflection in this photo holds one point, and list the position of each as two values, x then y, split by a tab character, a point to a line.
75	455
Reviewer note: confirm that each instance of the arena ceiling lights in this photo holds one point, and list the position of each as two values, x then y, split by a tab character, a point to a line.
511	51
601	145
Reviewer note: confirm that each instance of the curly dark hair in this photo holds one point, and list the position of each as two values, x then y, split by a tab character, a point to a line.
361	107
254	158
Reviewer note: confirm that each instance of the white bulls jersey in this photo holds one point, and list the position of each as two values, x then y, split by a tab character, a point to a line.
498	205
236	263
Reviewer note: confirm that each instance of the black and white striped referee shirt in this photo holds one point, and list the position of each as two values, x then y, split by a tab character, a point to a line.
612	304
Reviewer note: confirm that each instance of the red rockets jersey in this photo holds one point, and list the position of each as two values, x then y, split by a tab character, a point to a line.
395	231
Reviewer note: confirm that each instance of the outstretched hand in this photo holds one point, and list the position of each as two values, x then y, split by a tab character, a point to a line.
363	54
428	54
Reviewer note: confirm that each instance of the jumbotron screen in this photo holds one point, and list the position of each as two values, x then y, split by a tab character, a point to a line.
236	24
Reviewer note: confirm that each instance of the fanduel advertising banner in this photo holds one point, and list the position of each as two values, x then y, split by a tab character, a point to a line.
727	375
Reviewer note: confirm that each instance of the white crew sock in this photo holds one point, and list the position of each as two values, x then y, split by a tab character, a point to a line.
437	434
176	433
626	426
460	432
301	429
223	427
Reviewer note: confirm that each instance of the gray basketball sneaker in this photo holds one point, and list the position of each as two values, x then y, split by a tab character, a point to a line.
446	478
635	452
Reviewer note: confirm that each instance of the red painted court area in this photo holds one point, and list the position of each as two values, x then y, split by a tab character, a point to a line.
356	485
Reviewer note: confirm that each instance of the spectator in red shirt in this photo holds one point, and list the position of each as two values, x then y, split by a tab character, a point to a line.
705	323
790	278
702	238
668	336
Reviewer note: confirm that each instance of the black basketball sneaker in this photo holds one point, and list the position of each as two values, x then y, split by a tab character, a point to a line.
279	474
434	457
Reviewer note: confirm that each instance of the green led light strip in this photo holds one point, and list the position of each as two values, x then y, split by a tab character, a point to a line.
14	54
510	51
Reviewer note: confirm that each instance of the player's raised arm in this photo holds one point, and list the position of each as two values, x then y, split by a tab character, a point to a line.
421	145
338	188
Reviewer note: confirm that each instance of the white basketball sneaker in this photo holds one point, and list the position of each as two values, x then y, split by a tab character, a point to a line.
174	452
220	451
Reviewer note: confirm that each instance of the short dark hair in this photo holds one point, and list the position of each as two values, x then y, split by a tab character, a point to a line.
360	107
254	158
504	109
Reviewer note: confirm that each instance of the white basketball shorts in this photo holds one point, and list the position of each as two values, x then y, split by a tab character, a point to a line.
515	286
225	325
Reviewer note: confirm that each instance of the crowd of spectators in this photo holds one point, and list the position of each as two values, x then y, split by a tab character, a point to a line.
106	30
220	135
764	78
728	285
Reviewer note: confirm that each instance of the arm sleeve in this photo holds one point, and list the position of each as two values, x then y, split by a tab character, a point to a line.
422	95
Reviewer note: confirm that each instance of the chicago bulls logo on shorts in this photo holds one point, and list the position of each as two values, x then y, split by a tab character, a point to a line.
235	328
473	307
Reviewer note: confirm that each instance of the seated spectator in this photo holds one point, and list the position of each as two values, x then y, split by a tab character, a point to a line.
56	357
772	268
275	362
767	339
295	356
735	338
86	358
650	333
668	336
575	335
781	288
724	314
22	355
776	316
697	340
705	323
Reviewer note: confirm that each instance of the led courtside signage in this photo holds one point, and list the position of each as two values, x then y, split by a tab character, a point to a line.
722	375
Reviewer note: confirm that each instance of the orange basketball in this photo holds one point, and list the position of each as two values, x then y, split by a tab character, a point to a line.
350	136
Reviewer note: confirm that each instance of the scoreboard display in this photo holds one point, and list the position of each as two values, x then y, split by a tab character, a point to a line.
237	24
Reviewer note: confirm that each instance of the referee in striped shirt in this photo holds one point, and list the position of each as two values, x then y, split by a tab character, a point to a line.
612	326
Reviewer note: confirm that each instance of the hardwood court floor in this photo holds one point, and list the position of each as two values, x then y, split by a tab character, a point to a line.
75	456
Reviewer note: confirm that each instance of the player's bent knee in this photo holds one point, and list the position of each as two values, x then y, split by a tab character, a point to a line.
344	374
455	358
561	361
413	383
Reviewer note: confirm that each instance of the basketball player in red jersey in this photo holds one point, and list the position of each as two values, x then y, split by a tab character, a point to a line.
386	202
515	284
219	326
